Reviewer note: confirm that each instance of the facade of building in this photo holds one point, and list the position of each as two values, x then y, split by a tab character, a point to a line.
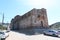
36	18
15	23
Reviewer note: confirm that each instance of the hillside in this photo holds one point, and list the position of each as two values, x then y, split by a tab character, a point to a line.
55	26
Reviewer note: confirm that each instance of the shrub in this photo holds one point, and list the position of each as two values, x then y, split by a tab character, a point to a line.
2	27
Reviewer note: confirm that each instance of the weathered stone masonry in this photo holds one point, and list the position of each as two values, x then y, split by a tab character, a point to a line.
36	18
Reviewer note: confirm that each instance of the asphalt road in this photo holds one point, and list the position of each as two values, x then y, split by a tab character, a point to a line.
19	36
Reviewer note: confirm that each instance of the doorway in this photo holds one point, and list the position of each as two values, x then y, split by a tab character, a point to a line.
41	23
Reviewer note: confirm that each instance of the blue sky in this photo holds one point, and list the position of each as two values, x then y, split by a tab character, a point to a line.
11	8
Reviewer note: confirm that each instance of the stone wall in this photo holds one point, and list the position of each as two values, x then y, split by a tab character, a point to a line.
36	18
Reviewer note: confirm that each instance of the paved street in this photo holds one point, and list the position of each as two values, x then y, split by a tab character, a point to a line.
20	36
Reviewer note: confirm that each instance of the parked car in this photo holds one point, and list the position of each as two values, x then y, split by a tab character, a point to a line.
58	33
50	32
3	35
7	31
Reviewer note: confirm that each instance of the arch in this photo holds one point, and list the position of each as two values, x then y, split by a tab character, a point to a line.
41	23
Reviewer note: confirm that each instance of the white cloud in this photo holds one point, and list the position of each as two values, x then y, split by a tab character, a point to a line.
41	3
38	3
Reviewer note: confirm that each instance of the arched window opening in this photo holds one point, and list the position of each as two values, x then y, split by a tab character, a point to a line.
42	23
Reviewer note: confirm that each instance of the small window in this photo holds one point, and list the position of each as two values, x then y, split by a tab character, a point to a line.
38	16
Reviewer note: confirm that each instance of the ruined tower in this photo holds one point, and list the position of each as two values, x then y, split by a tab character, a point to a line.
35	18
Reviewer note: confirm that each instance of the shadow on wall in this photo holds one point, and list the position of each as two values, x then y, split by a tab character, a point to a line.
31	31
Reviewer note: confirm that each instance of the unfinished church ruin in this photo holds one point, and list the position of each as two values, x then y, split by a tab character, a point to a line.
36	18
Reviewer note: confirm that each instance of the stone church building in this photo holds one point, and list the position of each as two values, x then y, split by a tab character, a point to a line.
35	18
